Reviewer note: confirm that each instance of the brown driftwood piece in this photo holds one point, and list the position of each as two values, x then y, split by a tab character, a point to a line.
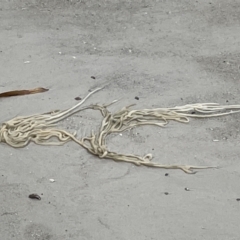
23	92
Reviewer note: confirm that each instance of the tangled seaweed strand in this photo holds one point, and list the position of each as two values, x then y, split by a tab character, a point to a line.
20	131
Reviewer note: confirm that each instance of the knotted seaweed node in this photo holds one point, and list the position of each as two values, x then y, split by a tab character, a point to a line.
42	128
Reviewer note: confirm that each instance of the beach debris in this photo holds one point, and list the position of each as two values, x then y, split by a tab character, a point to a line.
38	128
23	92
187	189
34	196
51	180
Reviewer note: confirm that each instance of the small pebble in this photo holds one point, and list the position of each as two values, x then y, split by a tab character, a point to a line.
166	193
187	189
93	77
166	174
78	98
137	98
34	196
238	199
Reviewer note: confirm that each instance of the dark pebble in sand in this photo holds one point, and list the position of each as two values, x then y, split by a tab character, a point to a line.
78	98
34	196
